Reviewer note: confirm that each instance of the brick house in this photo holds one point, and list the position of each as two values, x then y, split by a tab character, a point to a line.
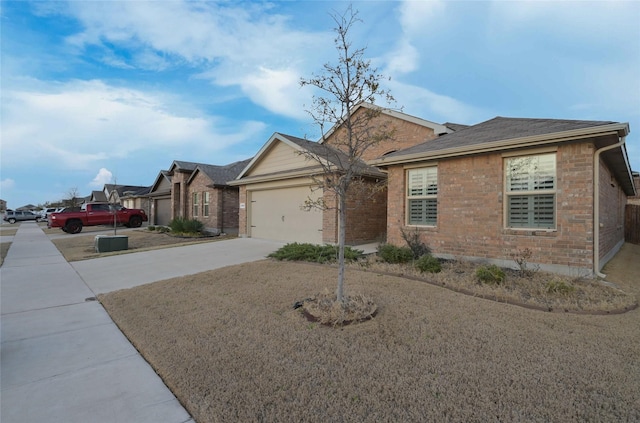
197	191
557	187
281	178
129	196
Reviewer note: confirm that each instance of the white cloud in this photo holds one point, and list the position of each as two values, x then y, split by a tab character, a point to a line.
419	101
103	177
417	17
81	124
7	184
233	45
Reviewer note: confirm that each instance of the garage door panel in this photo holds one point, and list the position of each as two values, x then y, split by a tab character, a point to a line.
278	214
163	211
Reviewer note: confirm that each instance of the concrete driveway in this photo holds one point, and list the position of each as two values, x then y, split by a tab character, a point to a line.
128	270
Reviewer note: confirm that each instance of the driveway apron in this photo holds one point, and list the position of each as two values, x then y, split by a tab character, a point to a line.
62	359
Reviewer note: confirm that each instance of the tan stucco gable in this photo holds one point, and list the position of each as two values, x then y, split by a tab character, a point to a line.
279	158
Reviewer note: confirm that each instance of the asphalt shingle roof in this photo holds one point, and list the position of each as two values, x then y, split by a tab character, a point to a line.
334	155
223	174
498	129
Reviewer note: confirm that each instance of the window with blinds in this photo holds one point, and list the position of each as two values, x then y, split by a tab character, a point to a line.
531	191
205	203
196	204
422	196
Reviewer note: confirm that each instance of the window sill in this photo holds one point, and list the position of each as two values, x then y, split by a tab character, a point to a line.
530	231
422	228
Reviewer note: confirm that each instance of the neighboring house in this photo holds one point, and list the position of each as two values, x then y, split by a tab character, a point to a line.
97	197
160	199
3	206
556	187
136	195
198	191
136	199
279	181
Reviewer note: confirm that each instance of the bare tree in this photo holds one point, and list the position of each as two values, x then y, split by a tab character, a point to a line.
73	198
353	129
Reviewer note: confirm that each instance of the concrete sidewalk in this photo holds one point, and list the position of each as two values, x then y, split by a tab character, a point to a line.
62	357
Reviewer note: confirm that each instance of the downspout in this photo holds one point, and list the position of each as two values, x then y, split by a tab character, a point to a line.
596	206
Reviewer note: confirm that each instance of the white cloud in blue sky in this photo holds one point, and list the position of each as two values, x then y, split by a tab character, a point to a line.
121	89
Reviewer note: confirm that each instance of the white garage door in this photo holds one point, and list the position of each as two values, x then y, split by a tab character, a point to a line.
277	214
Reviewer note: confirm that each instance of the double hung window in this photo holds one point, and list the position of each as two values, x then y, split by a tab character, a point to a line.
531	191
196	204
205	203
422	196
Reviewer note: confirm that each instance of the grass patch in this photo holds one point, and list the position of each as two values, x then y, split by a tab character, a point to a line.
82	247
231	347
4	249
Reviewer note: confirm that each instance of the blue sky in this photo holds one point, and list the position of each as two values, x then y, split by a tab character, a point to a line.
97	92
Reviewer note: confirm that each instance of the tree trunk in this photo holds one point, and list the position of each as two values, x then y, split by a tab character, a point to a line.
342	235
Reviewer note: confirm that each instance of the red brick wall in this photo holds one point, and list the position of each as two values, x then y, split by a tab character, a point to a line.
180	194
242	212
612	202
229	209
405	134
223	204
367	213
471	213
330	218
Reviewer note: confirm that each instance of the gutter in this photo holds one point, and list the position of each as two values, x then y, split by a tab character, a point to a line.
596	204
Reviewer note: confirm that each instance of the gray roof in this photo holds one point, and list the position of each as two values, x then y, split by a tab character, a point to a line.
221	175
455	126
130	189
333	155
98	196
498	129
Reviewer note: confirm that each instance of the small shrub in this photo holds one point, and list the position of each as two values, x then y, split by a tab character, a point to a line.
181	225
492	274
151	228
314	253
428	263
393	254
522	257
559	286
412	238
162	229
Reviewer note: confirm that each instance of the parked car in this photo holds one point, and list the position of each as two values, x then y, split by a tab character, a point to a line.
20	216
93	214
46	212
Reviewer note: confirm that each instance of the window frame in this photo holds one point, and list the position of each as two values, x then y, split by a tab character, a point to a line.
535	187
205	204
195	204
427	196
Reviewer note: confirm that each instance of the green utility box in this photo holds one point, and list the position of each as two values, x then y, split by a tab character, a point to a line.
107	243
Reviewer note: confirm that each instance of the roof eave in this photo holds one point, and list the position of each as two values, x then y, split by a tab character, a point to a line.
619	129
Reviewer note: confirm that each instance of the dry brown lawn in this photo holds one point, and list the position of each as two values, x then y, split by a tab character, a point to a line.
76	247
230	346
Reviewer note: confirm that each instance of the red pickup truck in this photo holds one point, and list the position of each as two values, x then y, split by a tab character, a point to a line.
93	214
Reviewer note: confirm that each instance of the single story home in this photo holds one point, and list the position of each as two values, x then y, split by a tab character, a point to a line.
197	191
487	191
279	183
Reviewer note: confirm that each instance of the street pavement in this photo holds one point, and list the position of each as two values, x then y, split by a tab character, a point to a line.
62	359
